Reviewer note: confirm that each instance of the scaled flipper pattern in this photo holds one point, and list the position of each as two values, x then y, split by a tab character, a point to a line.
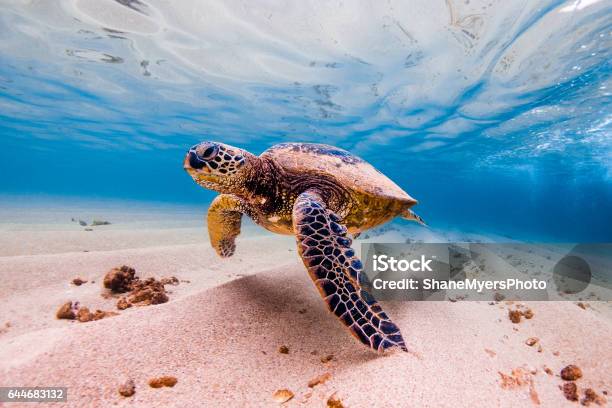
338	273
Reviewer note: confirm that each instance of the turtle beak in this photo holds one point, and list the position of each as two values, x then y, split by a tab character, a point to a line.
191	161
186	162
198	171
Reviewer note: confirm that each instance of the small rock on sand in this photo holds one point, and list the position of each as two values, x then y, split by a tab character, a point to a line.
514	316
571	372
570	391
123	303
282	395
84	315
172	280
5	328
164	381
67	311
78	281
520	377
320	379
145	292
334	402
127	389
72	311
517	378
120	279
283	349
581	305
327	358
531	341
591	396
148	292
490	352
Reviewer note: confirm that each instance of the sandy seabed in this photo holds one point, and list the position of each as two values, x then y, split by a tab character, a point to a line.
221	330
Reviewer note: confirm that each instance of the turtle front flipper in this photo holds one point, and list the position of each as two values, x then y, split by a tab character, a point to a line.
337	273
224	218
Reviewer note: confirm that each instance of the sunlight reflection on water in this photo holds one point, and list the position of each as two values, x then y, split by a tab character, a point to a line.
448	86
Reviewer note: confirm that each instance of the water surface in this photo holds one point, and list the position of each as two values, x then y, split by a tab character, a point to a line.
495	115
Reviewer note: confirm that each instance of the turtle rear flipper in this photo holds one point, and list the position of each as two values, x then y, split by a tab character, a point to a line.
337	273
412	216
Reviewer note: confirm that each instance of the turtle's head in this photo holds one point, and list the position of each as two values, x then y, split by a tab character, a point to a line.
217	166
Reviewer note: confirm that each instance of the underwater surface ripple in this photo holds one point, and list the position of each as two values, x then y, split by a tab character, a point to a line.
495	115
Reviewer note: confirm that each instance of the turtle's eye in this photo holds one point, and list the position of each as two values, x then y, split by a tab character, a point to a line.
208	152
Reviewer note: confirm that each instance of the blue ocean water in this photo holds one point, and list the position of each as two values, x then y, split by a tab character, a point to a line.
495	115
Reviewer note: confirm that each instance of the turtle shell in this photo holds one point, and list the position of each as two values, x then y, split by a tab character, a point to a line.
347	169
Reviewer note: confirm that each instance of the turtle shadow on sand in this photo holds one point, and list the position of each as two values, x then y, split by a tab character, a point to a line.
286	309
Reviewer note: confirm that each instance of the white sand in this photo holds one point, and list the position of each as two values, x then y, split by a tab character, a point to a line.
219	333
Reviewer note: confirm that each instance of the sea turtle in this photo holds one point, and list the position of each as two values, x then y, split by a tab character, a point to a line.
318	193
